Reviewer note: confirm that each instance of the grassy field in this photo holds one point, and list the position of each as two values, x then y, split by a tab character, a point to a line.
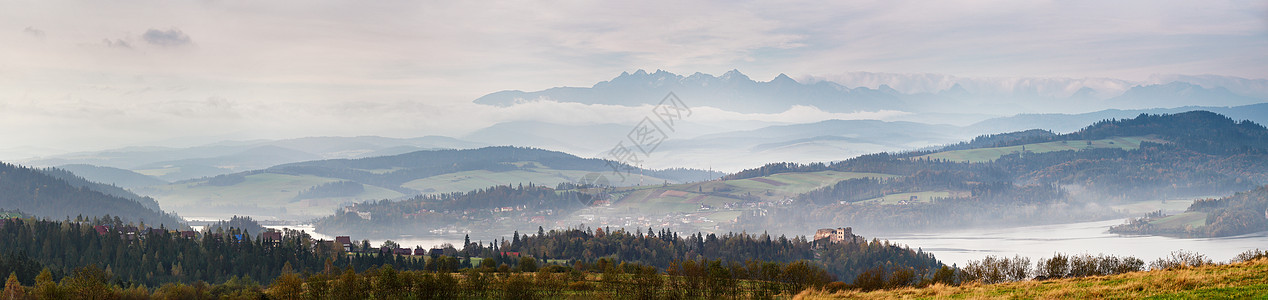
989	154
265	190
158	172
478	179
708	199
717	192
921	197
1166	206
1195	219
1247	280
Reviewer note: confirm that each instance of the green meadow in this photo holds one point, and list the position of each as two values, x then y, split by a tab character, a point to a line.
989	154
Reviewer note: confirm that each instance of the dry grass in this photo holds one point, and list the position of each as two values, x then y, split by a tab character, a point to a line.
1237	280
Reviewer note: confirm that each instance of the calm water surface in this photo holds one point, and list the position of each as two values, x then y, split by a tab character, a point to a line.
405	241
961	246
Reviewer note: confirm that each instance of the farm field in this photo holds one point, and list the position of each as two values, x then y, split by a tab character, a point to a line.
767	188
989	154
708	201
478	179
921	197
1169	206
1194	219
158	172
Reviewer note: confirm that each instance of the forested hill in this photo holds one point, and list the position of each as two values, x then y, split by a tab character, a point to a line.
1030	178
1241	213
1192	133
79	182
37	193
1200	131
392	171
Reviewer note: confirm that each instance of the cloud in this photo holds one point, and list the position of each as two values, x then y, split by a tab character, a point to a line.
167	38
291	68
34	32
1021	86
117	43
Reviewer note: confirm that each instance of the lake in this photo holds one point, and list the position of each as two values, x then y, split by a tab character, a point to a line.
960	246
404	241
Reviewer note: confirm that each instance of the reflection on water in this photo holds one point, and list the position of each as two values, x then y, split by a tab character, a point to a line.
961	246
405	241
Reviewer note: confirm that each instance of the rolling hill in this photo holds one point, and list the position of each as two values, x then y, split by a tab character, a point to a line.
176	164
1023	178
1034	177
276	191
123	178
82	183
39	194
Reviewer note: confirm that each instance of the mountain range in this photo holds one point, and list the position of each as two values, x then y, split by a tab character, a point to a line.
734	91
710	148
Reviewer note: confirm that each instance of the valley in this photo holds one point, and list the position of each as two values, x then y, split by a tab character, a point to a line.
633	150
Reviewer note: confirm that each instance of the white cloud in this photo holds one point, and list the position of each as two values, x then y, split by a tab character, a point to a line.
1049	87
287	68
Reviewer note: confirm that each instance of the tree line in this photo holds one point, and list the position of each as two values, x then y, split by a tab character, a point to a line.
158	256
154	256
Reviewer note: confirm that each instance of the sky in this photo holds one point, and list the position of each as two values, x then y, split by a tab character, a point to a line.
90	75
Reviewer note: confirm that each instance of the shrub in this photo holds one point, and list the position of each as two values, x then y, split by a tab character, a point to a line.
1084	265
998	269
1250	255
1056	267
1180	258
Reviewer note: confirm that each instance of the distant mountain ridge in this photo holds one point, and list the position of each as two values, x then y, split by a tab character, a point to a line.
1198	130
1257	113
421	164
311	188
123	178
176	164
734	91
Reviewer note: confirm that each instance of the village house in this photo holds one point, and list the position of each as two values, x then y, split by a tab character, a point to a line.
129	233
345	241
271	237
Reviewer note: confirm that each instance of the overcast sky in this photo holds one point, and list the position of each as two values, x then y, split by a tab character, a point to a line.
82	75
